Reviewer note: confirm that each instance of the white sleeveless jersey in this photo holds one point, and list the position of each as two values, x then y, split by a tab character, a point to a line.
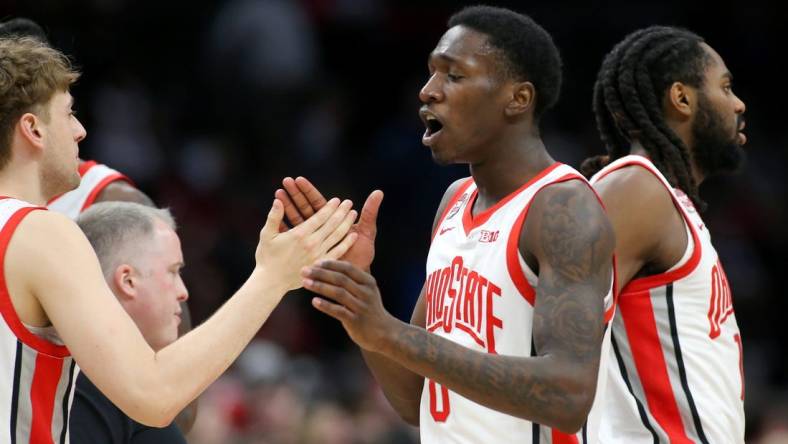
95	177
38	375
479	293
676	369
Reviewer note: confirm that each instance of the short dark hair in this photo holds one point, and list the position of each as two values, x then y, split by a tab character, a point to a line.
23	27
529	52
627	103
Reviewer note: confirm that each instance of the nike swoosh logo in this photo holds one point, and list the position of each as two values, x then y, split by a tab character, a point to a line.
447	229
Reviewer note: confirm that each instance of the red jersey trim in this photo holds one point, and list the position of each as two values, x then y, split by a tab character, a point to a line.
516	272
83	169
657	280
85	166
641	329
7	307
100	187
611	312
451	203
469	221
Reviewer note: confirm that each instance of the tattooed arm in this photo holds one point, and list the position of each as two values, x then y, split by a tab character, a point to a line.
568	235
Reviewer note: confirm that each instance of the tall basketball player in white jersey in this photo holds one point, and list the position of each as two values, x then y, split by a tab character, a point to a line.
669	118
509	327
56	308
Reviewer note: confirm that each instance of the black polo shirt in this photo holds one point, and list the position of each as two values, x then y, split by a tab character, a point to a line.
94	419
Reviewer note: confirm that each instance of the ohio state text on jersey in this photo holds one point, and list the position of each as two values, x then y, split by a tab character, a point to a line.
479	293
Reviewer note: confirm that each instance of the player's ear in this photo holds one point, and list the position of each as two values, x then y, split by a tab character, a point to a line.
30	128
680	101
523	99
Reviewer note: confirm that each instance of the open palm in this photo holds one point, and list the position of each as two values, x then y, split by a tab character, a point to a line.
302	200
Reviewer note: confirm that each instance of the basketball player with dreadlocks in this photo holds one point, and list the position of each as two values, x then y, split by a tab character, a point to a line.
668	116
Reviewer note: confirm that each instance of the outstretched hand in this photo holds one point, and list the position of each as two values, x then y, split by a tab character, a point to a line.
351	296
302	200
326	235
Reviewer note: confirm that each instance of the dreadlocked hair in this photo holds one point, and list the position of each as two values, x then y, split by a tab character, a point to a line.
627	102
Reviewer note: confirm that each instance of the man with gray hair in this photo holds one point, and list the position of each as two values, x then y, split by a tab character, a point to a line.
141	259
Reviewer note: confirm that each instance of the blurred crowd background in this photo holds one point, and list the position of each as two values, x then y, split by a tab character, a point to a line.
207	105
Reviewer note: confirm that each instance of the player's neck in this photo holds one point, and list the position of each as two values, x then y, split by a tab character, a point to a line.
507	167
683	130
23	183
638	149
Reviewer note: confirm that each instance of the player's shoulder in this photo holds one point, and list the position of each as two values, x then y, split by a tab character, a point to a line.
450	193
568	194
455	187
634	188
42	229
567	217
631	179
41	243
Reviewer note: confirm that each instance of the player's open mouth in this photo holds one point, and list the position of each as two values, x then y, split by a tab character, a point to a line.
741	136
433	126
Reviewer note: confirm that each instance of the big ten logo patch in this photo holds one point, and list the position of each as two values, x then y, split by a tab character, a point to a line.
488	236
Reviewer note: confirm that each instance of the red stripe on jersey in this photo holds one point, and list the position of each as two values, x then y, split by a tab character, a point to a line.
100	187
637	312
513	259
513	244
737	338
612	310
85	166
42	397
563	438
451	203
7	307
469	221
658	280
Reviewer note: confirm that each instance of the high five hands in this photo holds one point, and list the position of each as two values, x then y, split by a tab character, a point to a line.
349	292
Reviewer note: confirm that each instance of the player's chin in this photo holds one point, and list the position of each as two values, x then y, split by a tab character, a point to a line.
439	158
443	156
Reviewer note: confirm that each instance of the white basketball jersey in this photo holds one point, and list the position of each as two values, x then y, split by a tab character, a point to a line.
38	375
676	367
480	294
95	177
